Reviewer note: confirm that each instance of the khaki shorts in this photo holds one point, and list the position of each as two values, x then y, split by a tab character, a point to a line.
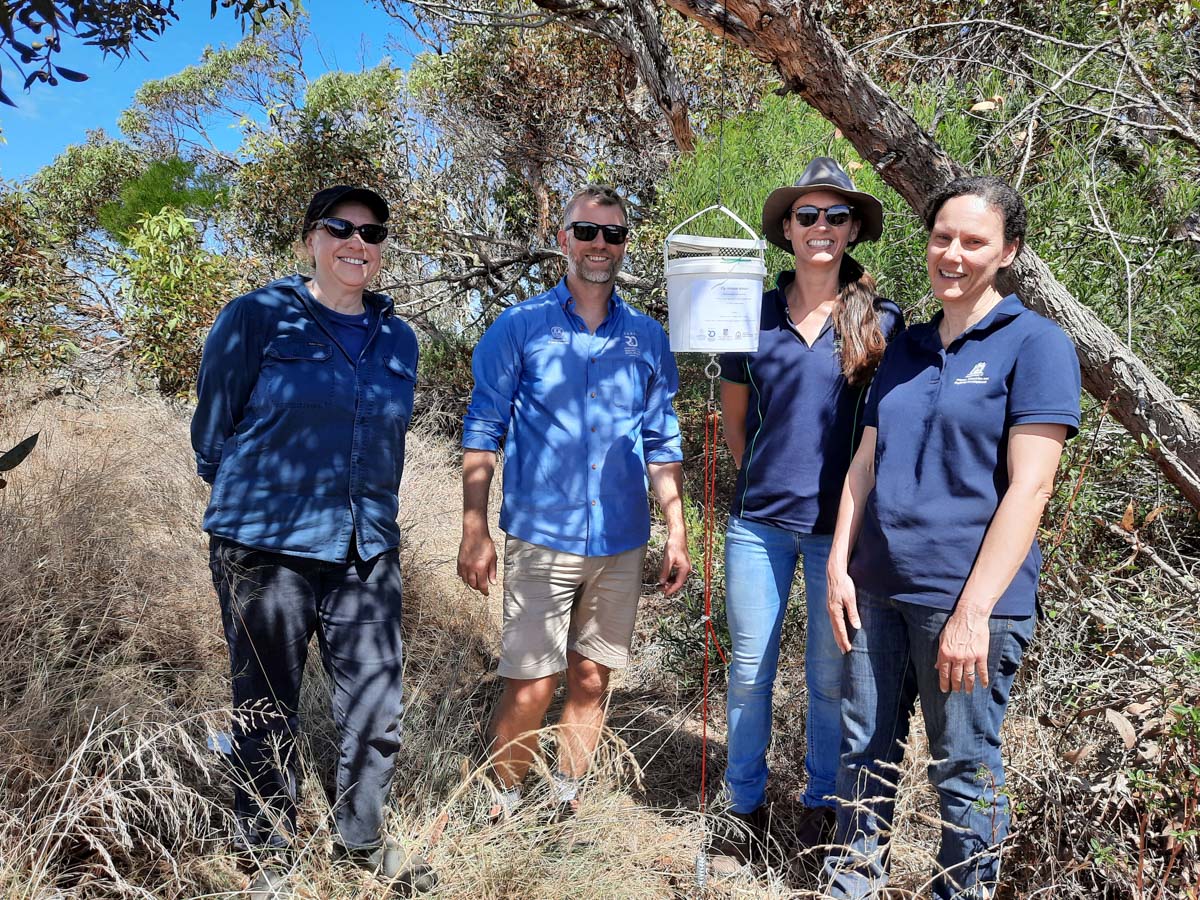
556	601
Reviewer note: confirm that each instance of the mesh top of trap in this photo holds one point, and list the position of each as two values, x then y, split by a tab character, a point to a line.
690	246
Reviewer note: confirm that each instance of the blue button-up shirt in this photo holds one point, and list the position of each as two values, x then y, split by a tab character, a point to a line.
303	442
943	416
583	413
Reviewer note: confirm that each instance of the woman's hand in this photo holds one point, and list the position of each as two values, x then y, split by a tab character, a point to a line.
963	651
842	602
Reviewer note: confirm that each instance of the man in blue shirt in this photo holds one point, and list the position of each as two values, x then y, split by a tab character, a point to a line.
581	385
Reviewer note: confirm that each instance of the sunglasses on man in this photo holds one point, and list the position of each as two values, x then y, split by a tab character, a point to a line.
586	231
807	216
342	229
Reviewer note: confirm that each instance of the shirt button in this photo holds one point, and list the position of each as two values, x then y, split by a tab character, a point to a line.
593	393
593	465
593	359
593	428
593	503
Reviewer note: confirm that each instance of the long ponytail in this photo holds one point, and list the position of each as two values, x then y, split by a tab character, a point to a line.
856	319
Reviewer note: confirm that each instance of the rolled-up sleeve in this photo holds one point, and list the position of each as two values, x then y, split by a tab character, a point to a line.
229	370
496	367
661	441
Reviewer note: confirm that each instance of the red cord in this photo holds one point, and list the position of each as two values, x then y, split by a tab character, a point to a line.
712	429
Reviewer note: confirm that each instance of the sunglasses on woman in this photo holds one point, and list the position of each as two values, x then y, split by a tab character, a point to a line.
586	231
807	216
342	229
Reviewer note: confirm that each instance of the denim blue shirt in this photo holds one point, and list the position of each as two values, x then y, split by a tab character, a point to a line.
803	421
943	416
303	443
583	413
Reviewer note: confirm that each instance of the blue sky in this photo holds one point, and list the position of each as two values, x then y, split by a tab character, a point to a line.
349	36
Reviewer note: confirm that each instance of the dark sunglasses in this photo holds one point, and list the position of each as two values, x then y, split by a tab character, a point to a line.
586	231
342	229
807	216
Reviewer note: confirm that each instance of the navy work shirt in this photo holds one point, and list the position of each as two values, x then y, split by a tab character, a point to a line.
583	414
302	441
941	454
803	421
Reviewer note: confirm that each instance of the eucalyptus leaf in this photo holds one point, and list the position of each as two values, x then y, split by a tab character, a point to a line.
17	454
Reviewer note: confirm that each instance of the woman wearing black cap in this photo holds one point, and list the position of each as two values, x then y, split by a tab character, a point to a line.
791	414
305	393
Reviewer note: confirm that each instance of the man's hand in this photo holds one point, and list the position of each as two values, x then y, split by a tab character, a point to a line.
963	652
676	565
841	600
477	561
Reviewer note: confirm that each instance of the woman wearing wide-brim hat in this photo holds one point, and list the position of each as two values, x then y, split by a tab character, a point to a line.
792	420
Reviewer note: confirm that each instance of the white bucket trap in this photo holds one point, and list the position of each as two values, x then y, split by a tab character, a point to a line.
714	289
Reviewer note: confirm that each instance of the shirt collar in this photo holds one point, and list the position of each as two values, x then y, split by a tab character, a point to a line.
567	302
1008	308
379	304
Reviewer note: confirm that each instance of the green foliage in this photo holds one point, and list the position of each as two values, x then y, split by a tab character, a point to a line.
221	78
80	181
172	289
35	288
170	182
350	129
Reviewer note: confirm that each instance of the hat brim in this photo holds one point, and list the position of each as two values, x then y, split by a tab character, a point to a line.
867	209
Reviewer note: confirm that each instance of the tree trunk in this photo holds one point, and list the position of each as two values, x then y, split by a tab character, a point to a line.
814	65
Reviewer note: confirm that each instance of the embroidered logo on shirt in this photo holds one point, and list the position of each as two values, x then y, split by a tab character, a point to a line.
631	344
975	376
558	335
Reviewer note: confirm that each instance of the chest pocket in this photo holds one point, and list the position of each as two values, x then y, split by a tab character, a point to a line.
396	386
623	384
298	373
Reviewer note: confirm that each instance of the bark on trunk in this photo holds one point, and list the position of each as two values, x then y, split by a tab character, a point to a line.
814	65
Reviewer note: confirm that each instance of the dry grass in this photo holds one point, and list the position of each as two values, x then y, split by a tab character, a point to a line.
115	678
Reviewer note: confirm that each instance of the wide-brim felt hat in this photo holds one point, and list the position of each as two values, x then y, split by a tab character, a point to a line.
325	200
822	174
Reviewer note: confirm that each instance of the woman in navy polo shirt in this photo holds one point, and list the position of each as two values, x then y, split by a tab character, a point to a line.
934	566
305	393
792	416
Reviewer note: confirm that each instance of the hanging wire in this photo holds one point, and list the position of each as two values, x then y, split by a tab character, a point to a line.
721	103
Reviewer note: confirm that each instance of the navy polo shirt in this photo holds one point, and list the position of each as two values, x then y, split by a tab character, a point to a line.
941	454
803	421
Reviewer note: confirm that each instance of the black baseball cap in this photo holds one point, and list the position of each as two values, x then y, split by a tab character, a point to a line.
324	200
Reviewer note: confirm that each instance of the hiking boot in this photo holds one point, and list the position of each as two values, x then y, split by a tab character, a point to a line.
814	828
745	836
407	873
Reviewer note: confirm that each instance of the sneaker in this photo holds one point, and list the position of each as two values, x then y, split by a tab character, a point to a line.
408	873
745	837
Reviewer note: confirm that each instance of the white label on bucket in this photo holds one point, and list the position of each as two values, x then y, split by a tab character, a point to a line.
725	314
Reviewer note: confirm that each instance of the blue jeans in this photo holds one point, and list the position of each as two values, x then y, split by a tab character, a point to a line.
271	604
891	663
760	562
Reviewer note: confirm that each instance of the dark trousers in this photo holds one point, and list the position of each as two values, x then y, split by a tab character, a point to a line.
271	604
